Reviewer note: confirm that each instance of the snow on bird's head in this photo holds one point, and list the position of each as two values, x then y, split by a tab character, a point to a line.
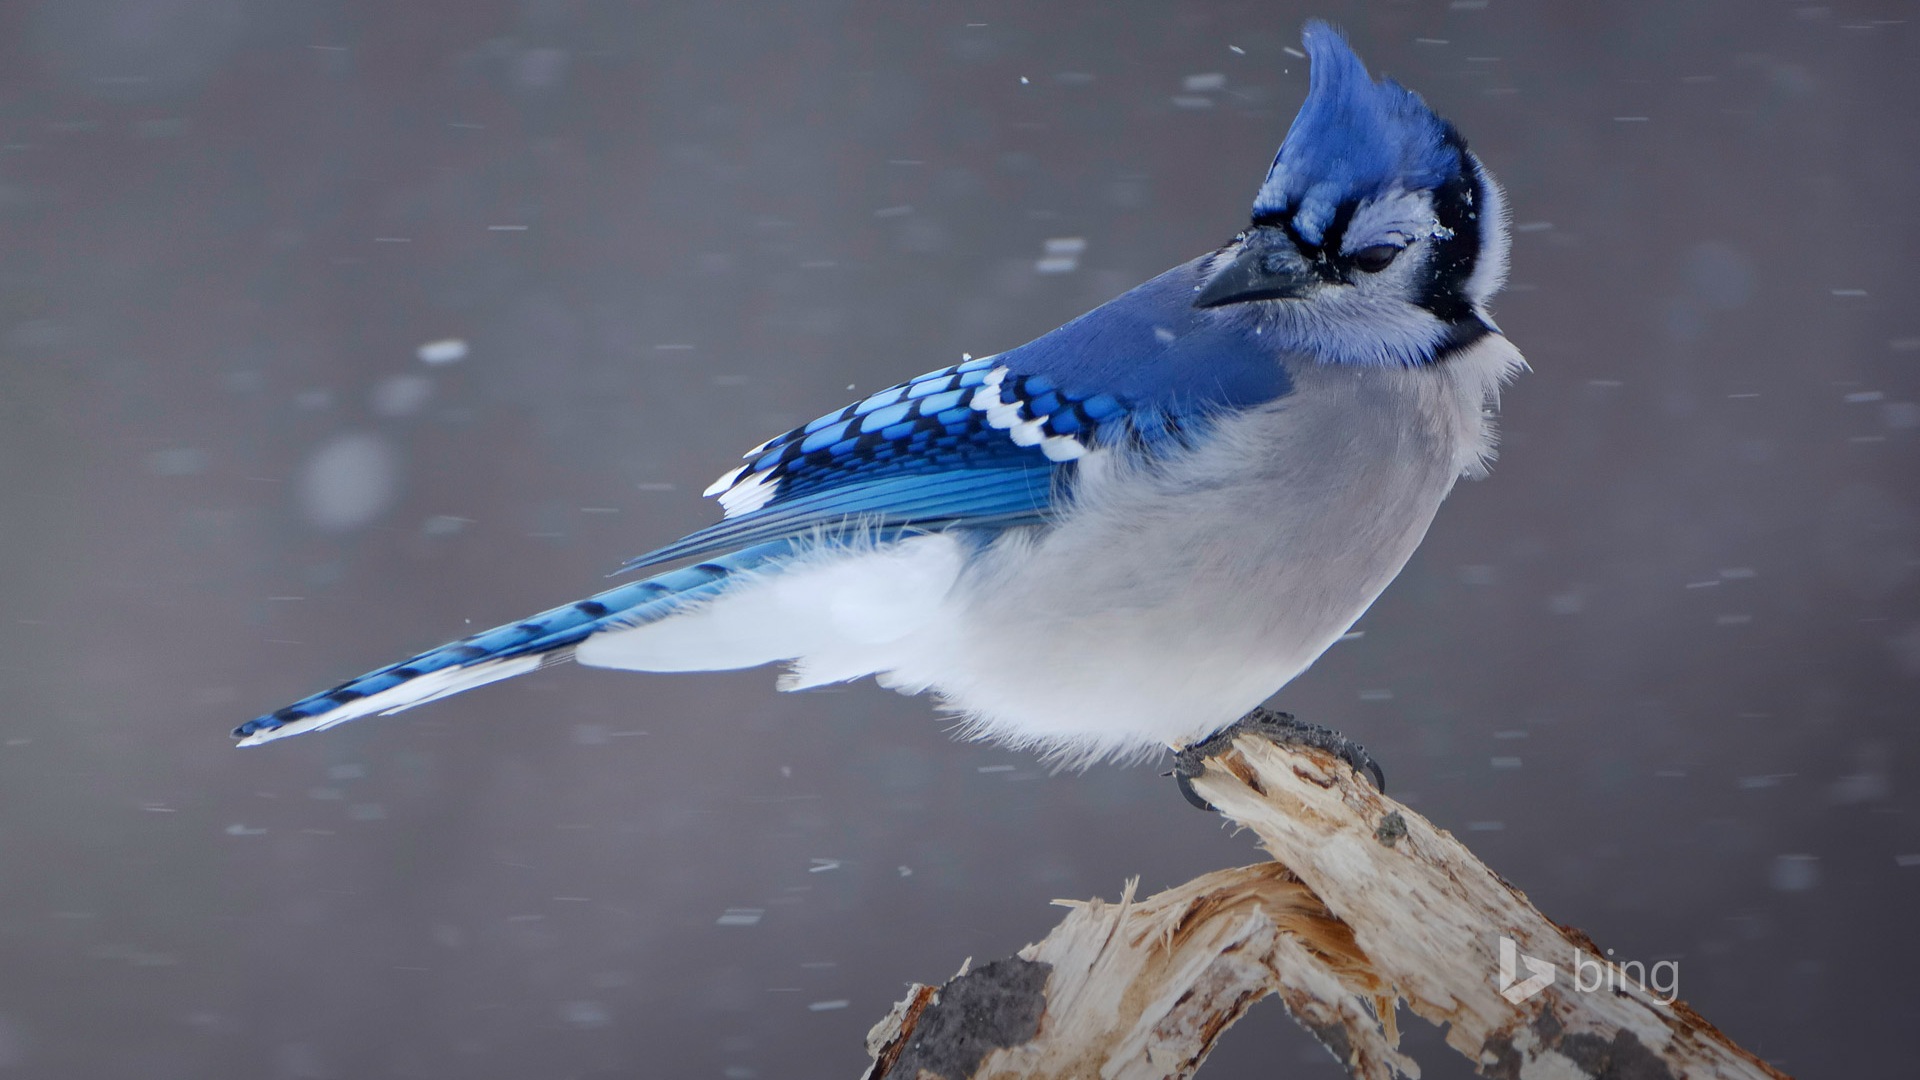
1353	139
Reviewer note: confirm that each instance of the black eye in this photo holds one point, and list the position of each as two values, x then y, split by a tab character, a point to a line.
1375	257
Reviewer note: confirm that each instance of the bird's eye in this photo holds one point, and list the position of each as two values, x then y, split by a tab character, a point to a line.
1375	257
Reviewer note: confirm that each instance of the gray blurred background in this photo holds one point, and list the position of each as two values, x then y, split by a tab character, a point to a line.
1659	670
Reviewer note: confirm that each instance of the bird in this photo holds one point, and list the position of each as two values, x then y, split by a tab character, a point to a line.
1127	534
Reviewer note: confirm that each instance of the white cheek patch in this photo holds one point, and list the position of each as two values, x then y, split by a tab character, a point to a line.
1490	269
1400	218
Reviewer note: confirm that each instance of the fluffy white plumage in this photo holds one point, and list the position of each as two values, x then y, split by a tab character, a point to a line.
1161	609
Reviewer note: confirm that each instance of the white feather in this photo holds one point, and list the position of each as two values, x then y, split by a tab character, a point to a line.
1062	448
724	482
827	605
1027	432
749	495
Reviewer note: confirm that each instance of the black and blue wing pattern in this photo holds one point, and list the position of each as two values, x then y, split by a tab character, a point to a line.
973	443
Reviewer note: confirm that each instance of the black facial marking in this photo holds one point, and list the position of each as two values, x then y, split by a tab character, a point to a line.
1457	205
1458	338
1337	228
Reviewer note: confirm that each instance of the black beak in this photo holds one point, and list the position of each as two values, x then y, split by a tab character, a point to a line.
1268	267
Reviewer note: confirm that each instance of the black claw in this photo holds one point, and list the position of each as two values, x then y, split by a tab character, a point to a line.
1185	783
1277	727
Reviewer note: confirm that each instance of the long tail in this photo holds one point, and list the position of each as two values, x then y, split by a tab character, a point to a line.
505	651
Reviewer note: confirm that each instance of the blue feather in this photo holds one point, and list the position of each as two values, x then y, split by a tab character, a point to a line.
628	605
917	501
1146	368
1150	350
1353	139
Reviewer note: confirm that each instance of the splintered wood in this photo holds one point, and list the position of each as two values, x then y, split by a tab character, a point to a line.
1367	905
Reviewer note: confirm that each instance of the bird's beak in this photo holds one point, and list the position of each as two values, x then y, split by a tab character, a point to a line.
1267	267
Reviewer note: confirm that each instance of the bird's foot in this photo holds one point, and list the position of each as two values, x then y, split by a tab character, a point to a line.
1190	761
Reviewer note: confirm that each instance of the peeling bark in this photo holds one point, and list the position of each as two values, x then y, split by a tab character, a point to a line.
1365	907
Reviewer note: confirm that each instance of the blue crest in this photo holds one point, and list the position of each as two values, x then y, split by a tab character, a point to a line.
1354	139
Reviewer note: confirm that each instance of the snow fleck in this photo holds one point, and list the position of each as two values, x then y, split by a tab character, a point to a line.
1478	575
1062	254
349	482
740	916
401	395
586	1014
443	351
444	525
1794	873
184	461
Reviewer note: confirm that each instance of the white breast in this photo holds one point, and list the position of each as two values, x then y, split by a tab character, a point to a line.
1164	605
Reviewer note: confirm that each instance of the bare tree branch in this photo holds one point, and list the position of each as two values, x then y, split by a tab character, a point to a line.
1367	905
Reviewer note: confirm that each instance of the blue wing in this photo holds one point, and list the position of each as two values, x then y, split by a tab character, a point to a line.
992	442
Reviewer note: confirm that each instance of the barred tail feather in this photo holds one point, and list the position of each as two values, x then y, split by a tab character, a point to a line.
506	651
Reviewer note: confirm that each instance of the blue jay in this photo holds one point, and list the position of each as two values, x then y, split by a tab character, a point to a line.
1125	534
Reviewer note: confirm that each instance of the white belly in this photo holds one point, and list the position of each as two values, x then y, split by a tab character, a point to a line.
1163	605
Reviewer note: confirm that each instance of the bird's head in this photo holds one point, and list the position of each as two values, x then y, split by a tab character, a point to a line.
1378	237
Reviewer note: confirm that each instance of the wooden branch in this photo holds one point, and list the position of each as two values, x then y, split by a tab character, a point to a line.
1367	905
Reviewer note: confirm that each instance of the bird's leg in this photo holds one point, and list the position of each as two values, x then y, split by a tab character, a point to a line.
1190	761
